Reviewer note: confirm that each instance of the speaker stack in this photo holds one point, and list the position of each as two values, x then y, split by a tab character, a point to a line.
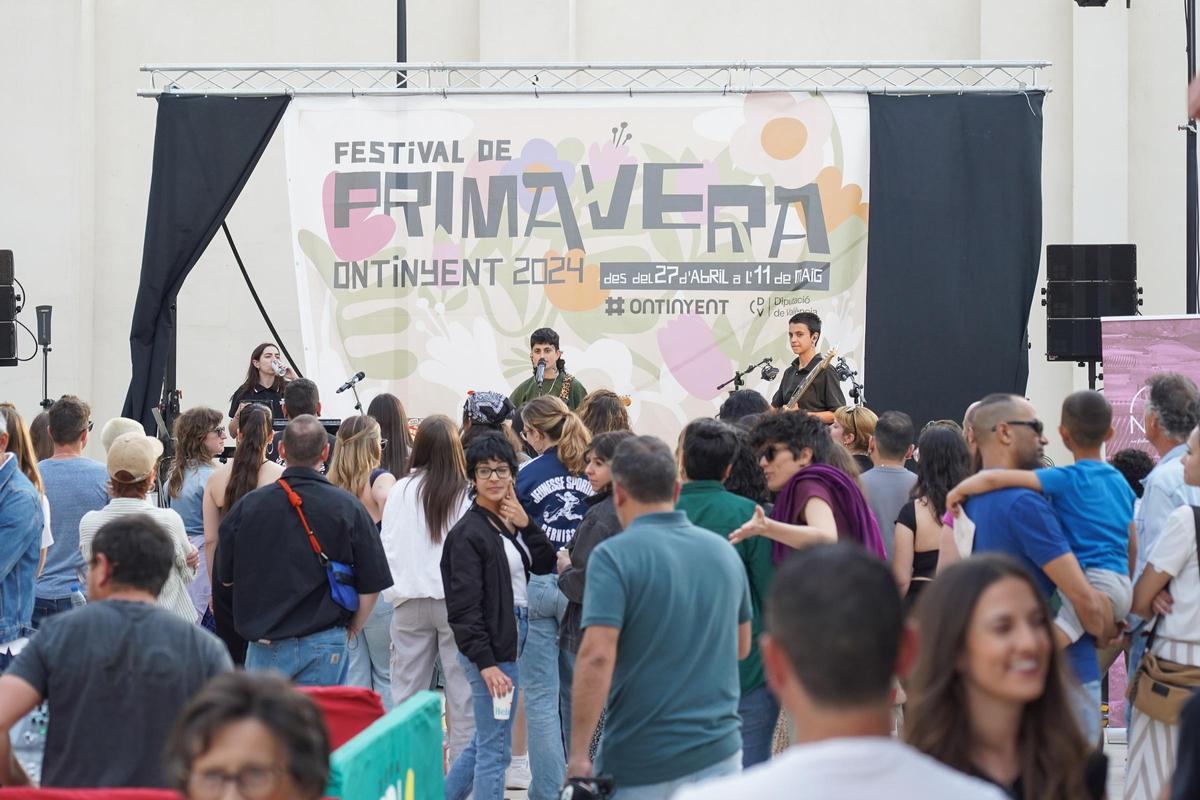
1085	282
8	311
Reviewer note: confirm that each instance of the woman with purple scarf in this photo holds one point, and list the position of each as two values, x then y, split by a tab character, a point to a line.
816	502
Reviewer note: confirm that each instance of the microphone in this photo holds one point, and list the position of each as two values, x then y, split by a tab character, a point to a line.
358	376
540	374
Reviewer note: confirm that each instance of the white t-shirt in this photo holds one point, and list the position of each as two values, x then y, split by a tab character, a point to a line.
516	569
1174	552
846	769
47	534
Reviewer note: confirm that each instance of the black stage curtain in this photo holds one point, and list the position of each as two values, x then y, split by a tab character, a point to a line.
955	240
204	151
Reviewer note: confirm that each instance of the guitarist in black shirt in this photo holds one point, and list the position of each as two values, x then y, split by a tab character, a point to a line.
823	393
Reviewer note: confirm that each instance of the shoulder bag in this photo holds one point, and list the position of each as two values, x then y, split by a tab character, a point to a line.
342	586
1160	687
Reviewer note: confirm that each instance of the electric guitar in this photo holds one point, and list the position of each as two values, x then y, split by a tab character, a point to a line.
794	402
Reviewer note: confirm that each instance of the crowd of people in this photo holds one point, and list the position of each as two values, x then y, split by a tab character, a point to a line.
787	597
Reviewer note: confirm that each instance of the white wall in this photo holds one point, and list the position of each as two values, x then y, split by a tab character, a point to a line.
75	141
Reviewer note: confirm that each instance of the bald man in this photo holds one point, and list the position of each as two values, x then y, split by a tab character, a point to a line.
1021	524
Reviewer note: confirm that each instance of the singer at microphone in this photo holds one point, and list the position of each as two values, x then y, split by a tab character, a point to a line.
550	376
358	376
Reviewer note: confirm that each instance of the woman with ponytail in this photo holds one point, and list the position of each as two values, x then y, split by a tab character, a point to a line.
248	470
553	490
199	436
354	467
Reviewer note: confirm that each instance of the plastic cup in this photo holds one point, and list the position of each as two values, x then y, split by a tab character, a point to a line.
502	705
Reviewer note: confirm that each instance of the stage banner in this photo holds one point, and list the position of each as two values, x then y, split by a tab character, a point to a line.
1135	348
667	238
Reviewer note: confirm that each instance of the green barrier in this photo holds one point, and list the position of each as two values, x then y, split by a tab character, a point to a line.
398	758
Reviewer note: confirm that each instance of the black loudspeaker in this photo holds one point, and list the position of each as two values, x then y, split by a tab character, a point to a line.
1084	283
6	268
1091	262
8	344
1075	299
1073	340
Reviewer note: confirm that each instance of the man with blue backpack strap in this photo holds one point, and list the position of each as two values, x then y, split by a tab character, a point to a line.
305	563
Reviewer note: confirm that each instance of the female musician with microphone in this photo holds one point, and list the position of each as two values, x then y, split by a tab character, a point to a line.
266	376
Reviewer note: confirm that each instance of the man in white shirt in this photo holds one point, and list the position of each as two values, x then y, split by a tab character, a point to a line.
834	640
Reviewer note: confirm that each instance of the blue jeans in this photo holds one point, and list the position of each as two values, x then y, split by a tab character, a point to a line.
318	659
539	670
47	607
759	711
1137	649
480	768
371	654
566	677
1087	710
662	791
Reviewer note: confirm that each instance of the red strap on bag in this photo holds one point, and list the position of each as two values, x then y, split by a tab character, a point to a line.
296	502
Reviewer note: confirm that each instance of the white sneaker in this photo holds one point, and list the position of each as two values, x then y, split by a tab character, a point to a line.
518	776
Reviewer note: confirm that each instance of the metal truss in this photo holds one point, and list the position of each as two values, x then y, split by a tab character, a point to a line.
353	80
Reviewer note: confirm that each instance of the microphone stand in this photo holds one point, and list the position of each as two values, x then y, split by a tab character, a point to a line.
357	402
737	379
46	401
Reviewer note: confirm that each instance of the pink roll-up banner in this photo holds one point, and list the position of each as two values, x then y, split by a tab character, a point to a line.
1135	348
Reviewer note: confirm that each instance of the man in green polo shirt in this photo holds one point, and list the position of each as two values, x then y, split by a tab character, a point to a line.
556	381
706	451
666	616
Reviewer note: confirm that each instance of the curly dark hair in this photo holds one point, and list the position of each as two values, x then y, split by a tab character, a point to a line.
292	718
941	467
746	478
1135	465
795	430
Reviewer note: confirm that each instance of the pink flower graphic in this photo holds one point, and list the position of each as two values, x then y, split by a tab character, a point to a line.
604	159
691	353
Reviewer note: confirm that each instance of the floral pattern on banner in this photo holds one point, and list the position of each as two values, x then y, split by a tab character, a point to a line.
432	340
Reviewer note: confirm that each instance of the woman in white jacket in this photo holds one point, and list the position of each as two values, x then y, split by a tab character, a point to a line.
421	508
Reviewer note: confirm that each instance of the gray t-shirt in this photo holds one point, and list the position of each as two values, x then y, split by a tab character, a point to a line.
887	491
116	674
74	486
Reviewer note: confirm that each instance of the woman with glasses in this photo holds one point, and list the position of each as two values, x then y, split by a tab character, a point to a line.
421	509
248	470
852	428
251	730
918	526
199	437
354	467
487	559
